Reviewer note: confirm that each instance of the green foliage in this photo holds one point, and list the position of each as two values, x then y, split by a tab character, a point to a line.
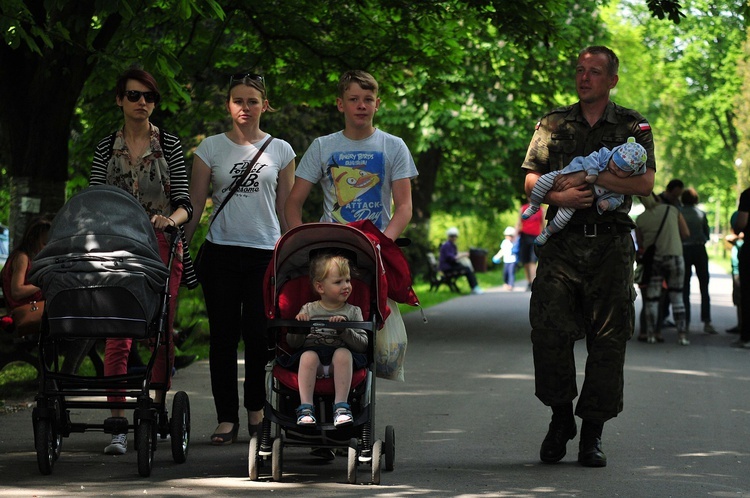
666	8
685	84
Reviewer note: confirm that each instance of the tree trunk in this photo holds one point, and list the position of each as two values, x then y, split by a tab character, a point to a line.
40	93
44	198
423	187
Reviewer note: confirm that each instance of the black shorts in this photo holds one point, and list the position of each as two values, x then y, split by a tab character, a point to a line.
526	252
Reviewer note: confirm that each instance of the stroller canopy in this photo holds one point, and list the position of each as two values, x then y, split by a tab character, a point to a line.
101	229
370	252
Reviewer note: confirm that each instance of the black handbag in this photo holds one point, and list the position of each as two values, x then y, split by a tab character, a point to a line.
198	260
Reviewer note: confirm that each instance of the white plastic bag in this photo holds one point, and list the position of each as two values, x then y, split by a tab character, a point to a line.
390	346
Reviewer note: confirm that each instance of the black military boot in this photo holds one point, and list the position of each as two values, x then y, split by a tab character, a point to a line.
590	452
562	429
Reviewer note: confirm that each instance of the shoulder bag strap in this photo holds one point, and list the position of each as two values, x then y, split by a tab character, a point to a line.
662	223
241	180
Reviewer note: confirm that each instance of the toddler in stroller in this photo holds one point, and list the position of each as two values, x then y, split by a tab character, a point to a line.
327	351
308	405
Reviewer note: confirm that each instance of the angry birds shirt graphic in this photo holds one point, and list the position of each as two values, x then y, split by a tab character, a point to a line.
356	179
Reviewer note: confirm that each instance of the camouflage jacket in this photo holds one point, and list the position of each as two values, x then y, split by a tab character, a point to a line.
564	134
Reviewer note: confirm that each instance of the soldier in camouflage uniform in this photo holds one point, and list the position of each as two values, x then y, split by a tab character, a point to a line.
584	283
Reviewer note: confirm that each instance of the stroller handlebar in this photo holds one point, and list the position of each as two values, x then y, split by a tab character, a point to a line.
302	327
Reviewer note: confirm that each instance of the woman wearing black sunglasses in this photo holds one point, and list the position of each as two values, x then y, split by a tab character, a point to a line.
147	162
239	246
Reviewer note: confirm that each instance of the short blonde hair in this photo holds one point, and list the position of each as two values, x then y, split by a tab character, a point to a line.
362	78
321	266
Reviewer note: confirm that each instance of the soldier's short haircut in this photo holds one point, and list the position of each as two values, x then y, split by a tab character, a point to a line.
613	63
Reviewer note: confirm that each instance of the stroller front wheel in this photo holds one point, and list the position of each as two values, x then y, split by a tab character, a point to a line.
180	427
389	447
46	442
377	453
252	458
277	458
351	466
144	438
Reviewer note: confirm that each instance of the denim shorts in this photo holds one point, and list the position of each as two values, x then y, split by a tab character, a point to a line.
325	353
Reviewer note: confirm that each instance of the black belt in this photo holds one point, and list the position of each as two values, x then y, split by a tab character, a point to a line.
597	229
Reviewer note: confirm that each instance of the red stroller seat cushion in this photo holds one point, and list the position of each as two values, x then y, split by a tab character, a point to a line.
323	387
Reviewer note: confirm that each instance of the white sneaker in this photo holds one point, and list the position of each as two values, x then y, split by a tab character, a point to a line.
118	446
477	290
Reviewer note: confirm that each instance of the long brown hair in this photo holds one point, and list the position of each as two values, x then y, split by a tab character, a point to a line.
34	237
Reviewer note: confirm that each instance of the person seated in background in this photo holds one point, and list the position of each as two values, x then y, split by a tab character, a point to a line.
450	260
17	289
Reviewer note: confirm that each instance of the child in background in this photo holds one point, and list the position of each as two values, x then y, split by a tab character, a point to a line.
507	254
325	351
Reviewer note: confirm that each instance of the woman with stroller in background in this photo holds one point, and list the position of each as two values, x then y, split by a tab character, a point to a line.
239	245
148	163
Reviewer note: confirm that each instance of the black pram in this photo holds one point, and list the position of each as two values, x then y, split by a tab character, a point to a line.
102	276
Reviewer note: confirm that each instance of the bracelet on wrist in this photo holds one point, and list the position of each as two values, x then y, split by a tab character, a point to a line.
173	222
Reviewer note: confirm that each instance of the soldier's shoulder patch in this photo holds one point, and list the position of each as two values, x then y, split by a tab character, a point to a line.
644	126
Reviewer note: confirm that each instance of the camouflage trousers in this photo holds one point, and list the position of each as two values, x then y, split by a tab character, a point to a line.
583	289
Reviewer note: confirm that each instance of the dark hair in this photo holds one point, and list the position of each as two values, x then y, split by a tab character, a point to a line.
673	184
613	63
689	197
138	75
362	78
34	237
253	81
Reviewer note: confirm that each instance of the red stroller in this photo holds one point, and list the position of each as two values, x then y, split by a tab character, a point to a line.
102	276
288	287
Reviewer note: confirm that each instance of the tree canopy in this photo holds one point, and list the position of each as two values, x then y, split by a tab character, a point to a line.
462	81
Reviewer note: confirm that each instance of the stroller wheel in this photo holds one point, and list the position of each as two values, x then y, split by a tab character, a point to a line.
180	426
351	466
144	437
252	458
277	458
377	453
46	442
389	447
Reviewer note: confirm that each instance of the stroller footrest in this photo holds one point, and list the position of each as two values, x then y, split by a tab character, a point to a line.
116	425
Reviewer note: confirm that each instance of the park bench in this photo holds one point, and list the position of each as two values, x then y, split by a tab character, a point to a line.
437	277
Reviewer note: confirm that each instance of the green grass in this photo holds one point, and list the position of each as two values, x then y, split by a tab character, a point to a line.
492	278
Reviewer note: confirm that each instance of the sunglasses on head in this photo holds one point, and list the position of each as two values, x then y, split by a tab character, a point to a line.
135	96
241	77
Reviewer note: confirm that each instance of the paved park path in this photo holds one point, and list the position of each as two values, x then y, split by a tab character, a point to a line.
467	423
